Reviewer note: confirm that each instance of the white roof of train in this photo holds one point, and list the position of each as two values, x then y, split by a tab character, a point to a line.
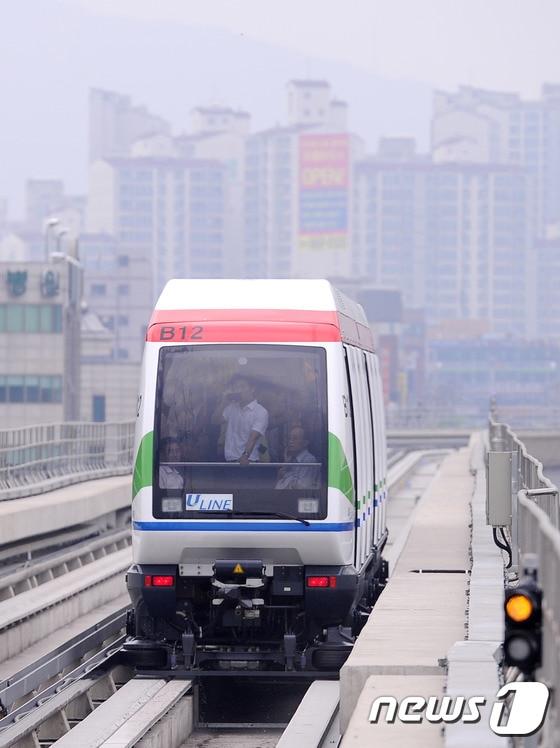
309	295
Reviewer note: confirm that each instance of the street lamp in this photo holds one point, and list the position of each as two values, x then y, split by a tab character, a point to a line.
63	231
50	224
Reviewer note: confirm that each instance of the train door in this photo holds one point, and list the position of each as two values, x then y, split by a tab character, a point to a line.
380	465
364	452
382	445
353	467
372	402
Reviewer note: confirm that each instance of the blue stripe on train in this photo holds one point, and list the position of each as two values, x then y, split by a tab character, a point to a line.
201	525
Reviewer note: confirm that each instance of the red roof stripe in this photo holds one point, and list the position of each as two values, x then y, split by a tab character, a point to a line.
244	315
256	326
242	332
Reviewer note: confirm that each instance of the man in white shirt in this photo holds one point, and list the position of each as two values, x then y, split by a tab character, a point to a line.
302	475
246	422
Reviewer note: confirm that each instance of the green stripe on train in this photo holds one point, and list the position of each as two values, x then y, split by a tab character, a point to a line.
339	473
144	465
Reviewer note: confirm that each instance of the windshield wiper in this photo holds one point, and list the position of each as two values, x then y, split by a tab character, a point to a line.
282	515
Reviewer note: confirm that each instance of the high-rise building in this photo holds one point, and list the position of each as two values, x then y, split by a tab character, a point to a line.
474	125
298	198
115	123
455	238
173	207
168	211
109	386
40	341
544	283
117	290
310	103
46	198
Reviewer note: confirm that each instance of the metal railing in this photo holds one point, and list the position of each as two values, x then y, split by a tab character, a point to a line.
36	459
535	529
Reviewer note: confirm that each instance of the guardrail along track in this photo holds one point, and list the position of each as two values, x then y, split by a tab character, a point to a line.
35	459
16	690
535	530
63	703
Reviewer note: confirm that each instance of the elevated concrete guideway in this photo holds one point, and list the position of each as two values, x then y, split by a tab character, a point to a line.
418	617
435	628
77	504
419	639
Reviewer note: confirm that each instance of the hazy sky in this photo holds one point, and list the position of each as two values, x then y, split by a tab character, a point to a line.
382	56
509	44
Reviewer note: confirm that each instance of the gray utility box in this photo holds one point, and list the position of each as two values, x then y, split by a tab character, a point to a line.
498	489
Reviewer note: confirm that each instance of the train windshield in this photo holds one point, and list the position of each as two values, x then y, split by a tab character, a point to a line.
241	430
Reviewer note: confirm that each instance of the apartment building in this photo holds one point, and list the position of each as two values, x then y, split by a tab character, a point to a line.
298	197
479	126
455	238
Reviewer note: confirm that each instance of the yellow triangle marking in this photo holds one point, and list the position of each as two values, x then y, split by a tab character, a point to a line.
238	569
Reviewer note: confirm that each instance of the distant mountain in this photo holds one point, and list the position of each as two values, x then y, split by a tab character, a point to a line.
51	53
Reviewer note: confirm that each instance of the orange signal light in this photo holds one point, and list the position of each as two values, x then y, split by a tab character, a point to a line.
519	608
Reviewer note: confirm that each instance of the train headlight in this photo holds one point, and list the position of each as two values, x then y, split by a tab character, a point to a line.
308	506
171	505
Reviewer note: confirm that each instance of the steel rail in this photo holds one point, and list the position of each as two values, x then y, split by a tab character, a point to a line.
104	657
51	664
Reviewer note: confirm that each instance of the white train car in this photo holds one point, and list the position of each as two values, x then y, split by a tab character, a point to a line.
259	484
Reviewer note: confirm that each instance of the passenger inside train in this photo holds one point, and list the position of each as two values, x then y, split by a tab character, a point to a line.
299	475
246	421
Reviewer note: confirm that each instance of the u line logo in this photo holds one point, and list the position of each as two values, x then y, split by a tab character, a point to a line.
525	714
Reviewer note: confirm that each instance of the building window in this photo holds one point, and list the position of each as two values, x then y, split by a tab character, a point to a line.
98	289
15	389
122	320
30	318
123	289
98	408
30	389
51	389
14	318
123	261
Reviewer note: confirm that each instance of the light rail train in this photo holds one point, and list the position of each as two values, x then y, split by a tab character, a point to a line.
259	485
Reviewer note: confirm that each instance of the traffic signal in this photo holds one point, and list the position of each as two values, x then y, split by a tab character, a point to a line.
523	633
